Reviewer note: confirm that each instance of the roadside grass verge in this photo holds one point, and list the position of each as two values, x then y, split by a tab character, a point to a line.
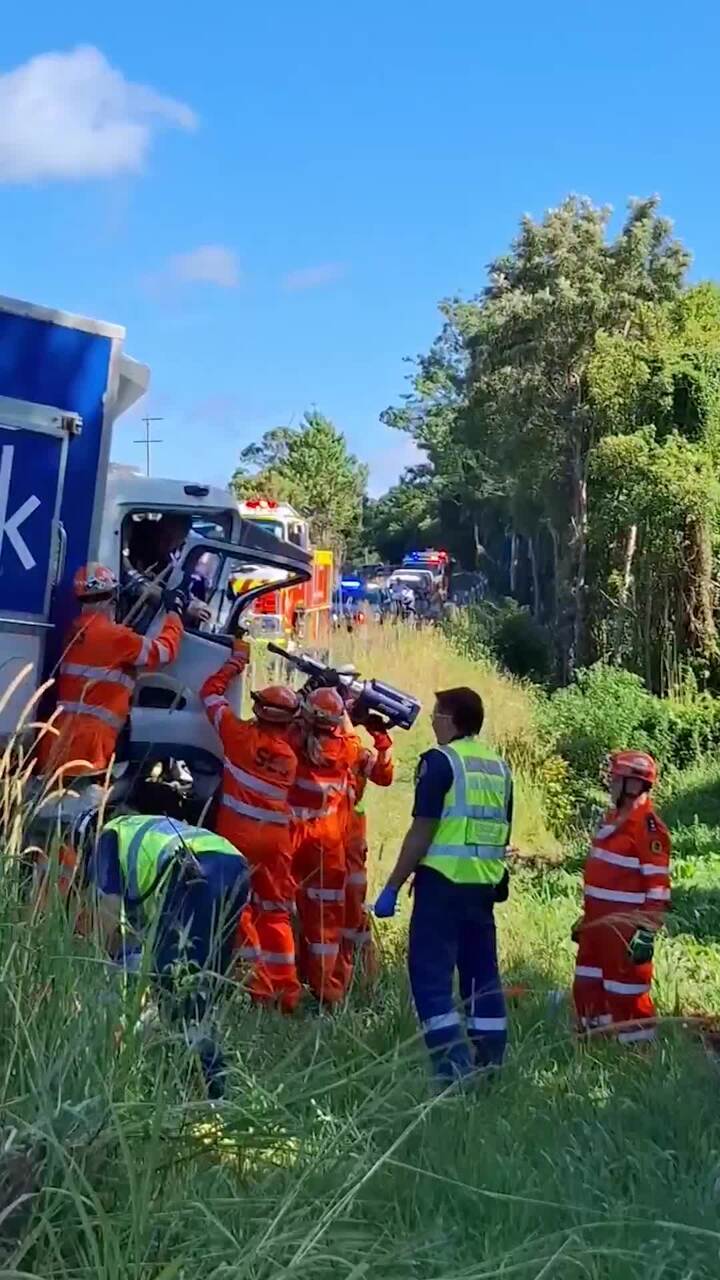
330	1158
421	663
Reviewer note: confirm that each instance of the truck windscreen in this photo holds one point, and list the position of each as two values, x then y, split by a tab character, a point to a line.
270	526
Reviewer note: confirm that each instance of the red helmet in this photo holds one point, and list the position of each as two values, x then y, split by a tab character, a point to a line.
633	764
324	708
276	703
94	581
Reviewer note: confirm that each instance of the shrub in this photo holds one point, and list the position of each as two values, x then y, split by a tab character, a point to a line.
520	643
607	709
506	632
600	712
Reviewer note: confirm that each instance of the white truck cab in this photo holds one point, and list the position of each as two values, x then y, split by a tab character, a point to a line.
131	496
64	379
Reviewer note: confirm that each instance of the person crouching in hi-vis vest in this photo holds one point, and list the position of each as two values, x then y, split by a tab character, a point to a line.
456	848
179	890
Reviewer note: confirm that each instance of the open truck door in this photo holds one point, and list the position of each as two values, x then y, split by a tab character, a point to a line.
168	720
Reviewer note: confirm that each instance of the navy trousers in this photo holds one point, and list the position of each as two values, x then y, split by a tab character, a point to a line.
196	926
452	928
198	918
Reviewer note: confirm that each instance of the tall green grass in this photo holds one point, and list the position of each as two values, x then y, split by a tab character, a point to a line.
331	1158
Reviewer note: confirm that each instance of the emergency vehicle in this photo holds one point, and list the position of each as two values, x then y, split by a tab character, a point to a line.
349	599
297	616
437	563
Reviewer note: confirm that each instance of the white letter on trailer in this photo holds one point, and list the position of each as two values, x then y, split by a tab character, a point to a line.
11	527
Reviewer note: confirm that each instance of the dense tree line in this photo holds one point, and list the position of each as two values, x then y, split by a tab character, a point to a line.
570	417
570	414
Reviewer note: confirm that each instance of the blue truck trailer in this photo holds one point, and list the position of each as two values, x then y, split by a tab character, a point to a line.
64	379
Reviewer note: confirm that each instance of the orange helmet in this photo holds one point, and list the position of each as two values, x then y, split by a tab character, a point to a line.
324	708
276	703
633	764
94	581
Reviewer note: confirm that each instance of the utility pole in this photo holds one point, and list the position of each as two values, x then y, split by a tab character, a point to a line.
148	441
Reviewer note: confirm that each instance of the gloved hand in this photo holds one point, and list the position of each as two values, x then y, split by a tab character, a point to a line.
577	929
641	946
237	665
374	723
378	730
241	653
386	903
175	600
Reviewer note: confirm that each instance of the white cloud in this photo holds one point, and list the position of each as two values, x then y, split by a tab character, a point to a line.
66	116
208	264
314	277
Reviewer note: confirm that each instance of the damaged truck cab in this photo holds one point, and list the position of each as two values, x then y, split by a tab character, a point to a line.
64	380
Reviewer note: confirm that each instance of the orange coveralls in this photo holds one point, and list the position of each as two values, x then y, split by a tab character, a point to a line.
319	803
254	814
626	887
95	687
357	945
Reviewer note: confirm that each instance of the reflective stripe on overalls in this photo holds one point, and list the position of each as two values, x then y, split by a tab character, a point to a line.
471	838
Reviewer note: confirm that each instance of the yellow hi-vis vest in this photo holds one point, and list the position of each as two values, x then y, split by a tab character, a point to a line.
147	847
470	842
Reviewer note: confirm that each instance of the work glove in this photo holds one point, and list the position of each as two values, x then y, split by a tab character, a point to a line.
641	946
175	600
236	665
386	903
241	654
378	730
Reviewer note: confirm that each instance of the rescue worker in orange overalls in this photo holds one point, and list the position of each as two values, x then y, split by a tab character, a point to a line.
626	892
98	672
254	814
319	803
356	948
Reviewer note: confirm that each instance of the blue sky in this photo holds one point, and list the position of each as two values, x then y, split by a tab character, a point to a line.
276	214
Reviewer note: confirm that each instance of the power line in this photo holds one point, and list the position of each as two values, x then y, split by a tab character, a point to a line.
148	441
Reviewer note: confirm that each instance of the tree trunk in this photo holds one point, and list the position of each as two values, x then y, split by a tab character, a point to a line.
579	527
564	603
648	632
630	546
698	590
624	594
477	544
555	540
532	553
514	542
668	663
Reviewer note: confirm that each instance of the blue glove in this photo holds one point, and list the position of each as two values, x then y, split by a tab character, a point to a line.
386	903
